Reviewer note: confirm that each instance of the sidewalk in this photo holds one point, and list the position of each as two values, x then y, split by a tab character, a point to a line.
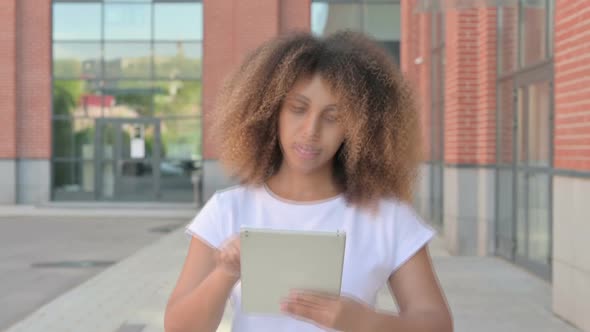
485	294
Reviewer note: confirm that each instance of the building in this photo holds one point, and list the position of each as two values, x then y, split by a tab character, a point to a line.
111	101
505	104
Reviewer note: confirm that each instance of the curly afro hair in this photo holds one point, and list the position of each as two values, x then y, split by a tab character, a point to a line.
382	148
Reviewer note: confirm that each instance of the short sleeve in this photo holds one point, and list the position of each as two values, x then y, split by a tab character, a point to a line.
411	234
208	223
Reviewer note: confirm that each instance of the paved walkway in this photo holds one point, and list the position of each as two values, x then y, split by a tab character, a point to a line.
485	294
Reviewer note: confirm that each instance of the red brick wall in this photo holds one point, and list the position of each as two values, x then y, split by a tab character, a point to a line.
33	79
8	79
461	105
486	86
572	85
232	28
295	15
415	44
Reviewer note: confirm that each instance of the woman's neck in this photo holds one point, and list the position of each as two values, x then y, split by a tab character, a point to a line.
296	186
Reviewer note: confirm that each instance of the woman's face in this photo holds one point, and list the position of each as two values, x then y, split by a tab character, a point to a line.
310	130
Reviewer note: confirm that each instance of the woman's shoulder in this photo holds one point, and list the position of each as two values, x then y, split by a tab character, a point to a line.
235	194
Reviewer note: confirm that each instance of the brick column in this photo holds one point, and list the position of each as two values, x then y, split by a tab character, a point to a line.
572	85
415	62
295	15
33	53
232	28
461	87
486	86
571	265
7	101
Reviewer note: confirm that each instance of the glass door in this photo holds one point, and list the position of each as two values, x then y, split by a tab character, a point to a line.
128	159
524	182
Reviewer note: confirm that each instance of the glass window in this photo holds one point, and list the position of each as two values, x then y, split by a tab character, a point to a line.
550	25
539	138
76	21
521	194
508	38
181	138
128	60
383	21
130	99
505	121
521	114
147	131
533	21
77	60
63	140
327	18
73	181
128	21
538	217
179	21
73	138
176	181
73	98
177	98
178	60
438	28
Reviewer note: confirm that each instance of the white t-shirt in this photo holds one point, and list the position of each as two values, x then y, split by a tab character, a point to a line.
376	245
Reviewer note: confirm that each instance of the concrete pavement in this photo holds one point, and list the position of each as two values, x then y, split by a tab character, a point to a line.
485	294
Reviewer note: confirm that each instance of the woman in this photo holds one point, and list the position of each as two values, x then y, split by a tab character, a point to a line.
322	134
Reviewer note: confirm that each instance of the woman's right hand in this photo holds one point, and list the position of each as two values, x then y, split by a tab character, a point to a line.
228	257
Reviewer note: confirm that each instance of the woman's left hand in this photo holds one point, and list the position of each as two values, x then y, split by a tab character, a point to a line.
329	311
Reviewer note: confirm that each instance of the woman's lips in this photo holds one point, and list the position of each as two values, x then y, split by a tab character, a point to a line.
306	152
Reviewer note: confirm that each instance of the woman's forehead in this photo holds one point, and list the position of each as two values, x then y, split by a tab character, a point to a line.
313	87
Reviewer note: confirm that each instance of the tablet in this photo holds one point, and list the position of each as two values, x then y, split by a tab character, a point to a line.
273	262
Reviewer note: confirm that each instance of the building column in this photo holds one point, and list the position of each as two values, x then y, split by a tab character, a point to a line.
461	176
486	128
33	82
232	29
8	102
571	212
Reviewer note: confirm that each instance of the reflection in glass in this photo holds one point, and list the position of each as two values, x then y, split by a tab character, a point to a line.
108	179
177	98
327	18
73	181
179	21
73	138
382	21
505	206
506	120
178	60
521	128
533	44
538	218
128	60
127	21
75	98
77	60
179	179
521	244
539	112
76	21
130	99
143	134
181	138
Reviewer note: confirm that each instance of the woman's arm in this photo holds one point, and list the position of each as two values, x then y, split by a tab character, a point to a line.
198	300
422	305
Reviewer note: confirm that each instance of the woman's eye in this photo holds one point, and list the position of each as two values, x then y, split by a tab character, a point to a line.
297	109
331	118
